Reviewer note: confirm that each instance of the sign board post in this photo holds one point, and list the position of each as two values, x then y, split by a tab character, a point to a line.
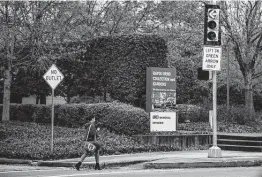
211	119
211	62
53	77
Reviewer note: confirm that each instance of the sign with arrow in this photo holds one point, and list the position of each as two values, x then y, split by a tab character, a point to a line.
213	13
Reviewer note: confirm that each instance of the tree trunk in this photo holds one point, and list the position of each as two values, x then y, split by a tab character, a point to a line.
42	99
37	98
249	104
6	97
9	42
68	98
105	96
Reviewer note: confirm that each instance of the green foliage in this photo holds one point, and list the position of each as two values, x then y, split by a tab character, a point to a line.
27	83
192	113
237	96
117	65
32	141
222	126
238	114
29	140
117	117
197	127
21	112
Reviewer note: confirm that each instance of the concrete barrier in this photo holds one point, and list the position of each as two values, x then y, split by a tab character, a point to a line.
180	141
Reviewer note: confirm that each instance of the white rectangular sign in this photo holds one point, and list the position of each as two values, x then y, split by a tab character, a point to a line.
163	121
212	58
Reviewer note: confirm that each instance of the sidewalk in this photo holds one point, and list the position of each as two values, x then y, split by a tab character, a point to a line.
176	159
199	159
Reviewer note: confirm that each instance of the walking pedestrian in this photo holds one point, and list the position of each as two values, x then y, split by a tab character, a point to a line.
91	144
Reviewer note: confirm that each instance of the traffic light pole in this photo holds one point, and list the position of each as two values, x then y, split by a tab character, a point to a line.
214	151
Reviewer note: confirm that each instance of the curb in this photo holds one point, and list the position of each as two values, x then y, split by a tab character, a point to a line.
237	163
15	161
89	164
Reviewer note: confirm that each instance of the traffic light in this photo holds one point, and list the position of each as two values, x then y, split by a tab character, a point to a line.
202	74
212	34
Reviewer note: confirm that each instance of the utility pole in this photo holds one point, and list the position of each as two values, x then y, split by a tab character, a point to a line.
227	77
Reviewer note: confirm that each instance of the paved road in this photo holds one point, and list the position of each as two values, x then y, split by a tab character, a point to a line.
129	172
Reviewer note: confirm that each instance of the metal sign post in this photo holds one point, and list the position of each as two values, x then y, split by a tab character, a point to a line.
52	123
53	77
214	151
211	62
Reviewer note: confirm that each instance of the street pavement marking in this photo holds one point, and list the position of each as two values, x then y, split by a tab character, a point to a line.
188	170
27	171
116	172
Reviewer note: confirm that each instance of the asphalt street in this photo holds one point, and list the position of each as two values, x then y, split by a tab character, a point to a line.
125	172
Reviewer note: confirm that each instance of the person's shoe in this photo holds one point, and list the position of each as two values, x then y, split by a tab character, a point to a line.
77	166
97	167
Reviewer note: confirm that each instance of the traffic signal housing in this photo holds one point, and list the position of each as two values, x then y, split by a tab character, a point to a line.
202	74
212	34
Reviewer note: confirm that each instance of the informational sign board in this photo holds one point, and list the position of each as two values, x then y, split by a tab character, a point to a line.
163	121
212	58
161	98
160	89
53	76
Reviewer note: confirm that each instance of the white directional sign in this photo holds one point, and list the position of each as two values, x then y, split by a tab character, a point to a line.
211	58
53	76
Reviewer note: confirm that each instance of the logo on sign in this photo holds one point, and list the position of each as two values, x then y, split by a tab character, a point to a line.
155	117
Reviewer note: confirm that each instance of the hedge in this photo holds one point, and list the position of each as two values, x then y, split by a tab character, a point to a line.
117	65
117	117
34	142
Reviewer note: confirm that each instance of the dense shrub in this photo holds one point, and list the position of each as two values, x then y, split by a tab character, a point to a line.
237	114
117	117
21	112
29	140
32	141
117	65
228	127
192	113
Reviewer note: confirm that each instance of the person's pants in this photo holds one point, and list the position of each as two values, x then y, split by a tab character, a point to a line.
97	145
